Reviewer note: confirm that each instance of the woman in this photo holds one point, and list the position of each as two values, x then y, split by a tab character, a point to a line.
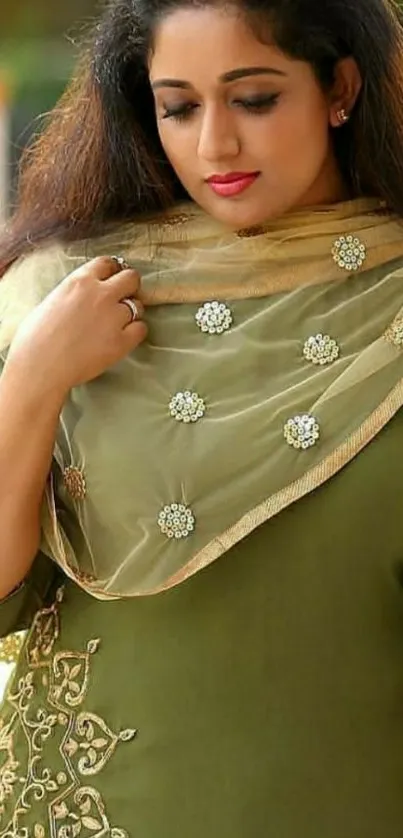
200	431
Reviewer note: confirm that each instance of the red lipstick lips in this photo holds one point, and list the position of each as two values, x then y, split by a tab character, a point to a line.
227	186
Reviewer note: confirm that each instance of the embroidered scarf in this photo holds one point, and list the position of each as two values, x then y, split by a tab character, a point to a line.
274	357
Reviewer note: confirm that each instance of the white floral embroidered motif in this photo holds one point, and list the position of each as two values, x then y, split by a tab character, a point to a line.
394	334
214	318
187	407
176	520
321	350
349	253
301	431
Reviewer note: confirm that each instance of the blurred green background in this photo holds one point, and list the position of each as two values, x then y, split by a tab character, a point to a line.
38	47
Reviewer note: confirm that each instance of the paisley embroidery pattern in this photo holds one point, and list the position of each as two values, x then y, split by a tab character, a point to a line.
60	801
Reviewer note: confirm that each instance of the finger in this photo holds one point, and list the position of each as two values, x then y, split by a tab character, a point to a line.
101	268
124	284
134	334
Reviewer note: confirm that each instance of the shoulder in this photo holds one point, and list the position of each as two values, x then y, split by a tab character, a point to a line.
32	277
29	280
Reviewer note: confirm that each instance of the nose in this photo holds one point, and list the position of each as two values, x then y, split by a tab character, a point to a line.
218	139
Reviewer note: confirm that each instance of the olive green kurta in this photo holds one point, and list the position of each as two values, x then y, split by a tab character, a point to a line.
259	690
266	691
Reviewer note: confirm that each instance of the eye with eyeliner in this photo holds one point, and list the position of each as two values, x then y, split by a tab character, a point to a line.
258	104
253	104
178	112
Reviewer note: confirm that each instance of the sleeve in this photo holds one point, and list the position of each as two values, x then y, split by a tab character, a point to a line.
18	609
28	282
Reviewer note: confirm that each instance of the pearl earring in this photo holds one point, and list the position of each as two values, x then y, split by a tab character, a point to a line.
342	116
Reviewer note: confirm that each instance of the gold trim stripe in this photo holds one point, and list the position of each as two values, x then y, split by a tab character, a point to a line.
277	278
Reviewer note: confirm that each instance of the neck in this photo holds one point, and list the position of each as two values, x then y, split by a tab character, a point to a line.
329	187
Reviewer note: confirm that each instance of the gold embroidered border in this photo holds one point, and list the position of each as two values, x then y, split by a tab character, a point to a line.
277	279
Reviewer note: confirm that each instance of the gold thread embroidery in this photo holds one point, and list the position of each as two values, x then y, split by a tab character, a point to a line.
95	741
86	743
88	813
175	220
10	647
44	633
75	483
71	675
82	576
8	767
251	232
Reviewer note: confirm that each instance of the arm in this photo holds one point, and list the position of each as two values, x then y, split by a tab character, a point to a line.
29	414
77	332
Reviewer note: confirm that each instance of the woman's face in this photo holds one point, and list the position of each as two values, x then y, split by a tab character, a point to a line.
245	127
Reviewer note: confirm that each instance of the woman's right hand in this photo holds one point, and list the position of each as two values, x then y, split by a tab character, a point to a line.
81	328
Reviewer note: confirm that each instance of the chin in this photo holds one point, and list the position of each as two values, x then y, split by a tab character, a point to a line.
240	213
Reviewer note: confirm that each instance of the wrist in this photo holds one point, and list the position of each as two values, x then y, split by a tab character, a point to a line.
35	385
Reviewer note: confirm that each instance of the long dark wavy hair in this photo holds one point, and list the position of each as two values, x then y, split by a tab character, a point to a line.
99	159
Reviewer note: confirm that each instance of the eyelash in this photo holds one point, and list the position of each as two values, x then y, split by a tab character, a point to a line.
257	105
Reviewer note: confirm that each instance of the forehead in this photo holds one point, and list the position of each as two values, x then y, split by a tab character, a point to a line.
198	44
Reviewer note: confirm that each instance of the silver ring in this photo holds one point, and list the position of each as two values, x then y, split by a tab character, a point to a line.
121	262
131	305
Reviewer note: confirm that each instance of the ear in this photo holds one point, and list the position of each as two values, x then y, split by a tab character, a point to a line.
345	92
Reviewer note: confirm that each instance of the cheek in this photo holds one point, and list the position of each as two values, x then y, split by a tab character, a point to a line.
297	138
176	143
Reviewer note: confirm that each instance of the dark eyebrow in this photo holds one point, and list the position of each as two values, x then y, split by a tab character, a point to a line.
182	85
244	72
232	75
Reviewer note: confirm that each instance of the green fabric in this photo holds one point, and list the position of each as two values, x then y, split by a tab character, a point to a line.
136	459
261	693
232	469
266	691
18	609
253	379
